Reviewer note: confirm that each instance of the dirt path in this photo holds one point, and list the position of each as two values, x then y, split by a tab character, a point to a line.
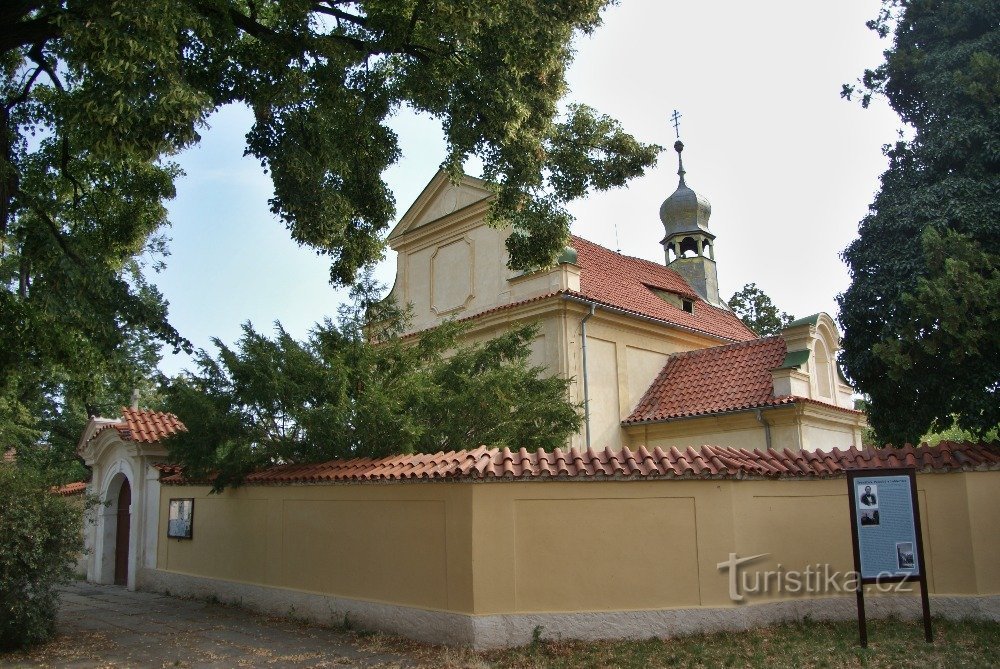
108	626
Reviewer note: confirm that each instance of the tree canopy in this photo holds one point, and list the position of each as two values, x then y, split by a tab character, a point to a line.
921	317
355	388
757	311
96	96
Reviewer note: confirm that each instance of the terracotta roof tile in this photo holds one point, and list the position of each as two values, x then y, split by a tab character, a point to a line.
144	426
712	380
149	427
10	455
625	282
484	464
734	377
70	489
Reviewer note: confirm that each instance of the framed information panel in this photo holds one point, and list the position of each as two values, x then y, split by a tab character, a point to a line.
180	521
885	529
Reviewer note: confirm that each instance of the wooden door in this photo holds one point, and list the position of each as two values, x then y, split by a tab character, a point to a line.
122	534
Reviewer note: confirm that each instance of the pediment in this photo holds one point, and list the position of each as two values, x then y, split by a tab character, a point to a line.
94	425
439	198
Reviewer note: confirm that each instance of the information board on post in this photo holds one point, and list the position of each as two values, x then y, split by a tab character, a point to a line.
886	533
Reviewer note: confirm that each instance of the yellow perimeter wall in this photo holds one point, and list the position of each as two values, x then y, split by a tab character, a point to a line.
558	546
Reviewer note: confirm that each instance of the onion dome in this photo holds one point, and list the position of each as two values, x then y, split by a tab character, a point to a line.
684	211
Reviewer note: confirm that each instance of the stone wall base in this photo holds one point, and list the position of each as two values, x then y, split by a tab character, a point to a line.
500	631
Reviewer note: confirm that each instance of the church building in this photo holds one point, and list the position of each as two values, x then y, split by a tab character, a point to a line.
701	441
655	355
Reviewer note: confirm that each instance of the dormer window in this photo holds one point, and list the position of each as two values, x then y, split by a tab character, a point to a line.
675	299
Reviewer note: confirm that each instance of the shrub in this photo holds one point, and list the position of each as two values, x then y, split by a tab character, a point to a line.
40	540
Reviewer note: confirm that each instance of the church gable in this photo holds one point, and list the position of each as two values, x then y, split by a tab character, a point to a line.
811	369
450	262
439	199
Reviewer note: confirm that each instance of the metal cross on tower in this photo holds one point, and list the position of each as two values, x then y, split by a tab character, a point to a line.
676	118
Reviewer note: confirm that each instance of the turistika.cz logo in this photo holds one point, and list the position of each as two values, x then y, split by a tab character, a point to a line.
815	579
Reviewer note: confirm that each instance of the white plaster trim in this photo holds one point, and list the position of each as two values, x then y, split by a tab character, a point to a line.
438	627
501	631
120	470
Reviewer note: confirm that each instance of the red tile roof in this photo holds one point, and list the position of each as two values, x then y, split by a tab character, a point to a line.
69	489
691	463
713	380
10	455
144	426
625	283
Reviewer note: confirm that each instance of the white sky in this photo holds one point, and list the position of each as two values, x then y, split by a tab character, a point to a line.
789	167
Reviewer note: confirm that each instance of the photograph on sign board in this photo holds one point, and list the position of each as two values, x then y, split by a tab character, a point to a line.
869	517
868	496
904	554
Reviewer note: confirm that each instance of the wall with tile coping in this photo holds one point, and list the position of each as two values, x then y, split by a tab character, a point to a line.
482	564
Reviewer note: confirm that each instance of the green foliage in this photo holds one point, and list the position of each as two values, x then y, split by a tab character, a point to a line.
921	326
50	404
955	433
757	311
355	388
97	95
40	540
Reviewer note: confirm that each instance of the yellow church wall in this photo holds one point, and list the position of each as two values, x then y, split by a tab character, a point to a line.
458	272
603	387
624	356
824	428
402	544
597	546
590	529
643	366
517	549
826	436
735	430
984	526
228	542
794	525
800	427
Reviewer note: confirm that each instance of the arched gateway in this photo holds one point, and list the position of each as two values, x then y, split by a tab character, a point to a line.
123	453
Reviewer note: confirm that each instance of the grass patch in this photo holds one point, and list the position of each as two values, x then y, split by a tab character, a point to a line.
891	643
808	644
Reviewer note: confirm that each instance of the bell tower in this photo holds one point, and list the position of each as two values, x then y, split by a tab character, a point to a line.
688	244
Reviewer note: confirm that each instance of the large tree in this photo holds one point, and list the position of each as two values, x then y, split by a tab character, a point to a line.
922	315
757	311
97	95
355	388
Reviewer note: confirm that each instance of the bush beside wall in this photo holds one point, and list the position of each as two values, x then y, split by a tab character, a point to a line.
40	542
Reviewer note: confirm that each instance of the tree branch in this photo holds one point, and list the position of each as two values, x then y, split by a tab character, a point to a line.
414	17
36	54
56	234
32	31
340	14
23	96
298	46
64	168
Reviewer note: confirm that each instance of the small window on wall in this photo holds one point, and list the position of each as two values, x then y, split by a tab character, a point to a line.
180	522
689	306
